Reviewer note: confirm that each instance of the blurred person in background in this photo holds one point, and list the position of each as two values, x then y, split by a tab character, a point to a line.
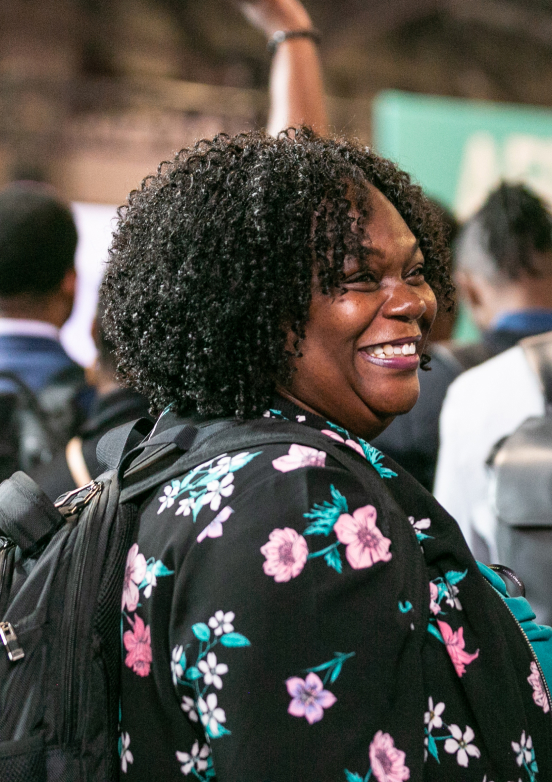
43	395
504	258
38	240
113	405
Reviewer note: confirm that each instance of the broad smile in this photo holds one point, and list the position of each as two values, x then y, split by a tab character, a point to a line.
395	354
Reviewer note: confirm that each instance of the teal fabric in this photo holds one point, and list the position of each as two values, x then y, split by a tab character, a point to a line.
540	636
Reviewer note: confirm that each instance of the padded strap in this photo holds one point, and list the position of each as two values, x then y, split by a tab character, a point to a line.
230	435
118	441
538	351
27	515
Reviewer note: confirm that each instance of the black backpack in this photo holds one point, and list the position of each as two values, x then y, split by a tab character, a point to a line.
35	426
521	490
61	581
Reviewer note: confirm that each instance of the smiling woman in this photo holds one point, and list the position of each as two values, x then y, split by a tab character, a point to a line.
290	284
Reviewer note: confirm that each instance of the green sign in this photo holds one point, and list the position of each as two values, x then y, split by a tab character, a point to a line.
459	150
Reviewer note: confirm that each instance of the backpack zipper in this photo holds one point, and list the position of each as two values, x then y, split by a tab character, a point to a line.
533	653
76	507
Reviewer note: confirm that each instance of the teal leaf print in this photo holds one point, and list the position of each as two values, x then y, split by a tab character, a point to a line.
432	747
201	631
404	608
339	429
375	457
234	640
159	569
193	673
435	632
455	576
332	667
333	559
325	516
350	777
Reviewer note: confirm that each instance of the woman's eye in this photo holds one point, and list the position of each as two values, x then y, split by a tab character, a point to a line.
416	274
361	277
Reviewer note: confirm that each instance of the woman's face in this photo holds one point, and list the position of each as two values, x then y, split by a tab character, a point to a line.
362	348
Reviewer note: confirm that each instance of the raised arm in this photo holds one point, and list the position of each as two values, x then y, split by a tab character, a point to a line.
296	87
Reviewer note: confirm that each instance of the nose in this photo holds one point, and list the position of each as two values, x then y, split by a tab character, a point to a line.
406	302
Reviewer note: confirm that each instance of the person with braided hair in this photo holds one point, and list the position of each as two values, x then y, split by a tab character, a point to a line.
300	608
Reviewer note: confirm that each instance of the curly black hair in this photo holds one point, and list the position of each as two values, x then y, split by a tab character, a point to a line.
212	262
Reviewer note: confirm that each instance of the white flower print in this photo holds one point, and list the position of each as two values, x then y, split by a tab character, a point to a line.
126	755
301	418
218	489
196	760
523	750
451	599
214	529
185	507
232	463
419	525
222	622
212	671
176	665
169	493
150	577
460	744
432	717
188	706
211	714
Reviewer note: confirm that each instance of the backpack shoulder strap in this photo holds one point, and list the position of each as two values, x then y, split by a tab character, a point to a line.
213	439
538	351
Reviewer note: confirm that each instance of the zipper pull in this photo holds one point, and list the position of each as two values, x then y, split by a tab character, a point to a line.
9	639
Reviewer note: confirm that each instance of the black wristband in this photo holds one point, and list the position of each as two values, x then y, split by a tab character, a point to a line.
283	35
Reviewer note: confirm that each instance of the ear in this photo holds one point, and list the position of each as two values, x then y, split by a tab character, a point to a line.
69	283
469	289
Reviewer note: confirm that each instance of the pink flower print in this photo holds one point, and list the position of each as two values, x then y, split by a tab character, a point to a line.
300	456
455	647
460	744
386	761
433	595
218	489
539	693
135	571
138	645
214	529
351	443
309	698
286	553
365	543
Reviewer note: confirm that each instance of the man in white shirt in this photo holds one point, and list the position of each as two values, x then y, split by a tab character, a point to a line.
482	405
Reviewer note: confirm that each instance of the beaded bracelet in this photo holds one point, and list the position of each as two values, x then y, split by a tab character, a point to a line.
283	35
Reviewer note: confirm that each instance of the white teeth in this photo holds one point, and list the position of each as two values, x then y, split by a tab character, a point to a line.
387	350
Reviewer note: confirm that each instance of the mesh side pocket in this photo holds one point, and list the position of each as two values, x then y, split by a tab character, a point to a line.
23	761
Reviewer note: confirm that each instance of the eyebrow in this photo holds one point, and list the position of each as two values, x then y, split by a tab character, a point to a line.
375	251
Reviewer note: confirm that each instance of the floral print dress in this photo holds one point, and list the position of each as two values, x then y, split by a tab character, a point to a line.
282	622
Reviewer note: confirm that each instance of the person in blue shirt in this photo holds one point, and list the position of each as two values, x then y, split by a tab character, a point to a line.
38	239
